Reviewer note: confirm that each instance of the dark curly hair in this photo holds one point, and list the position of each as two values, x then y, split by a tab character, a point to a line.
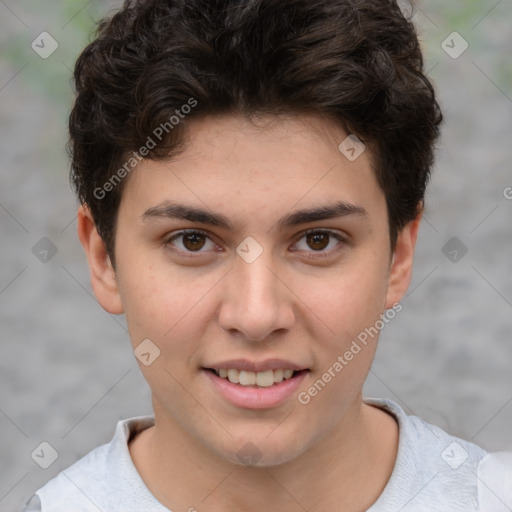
357	61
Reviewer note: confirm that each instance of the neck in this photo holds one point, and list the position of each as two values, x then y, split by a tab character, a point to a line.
349	466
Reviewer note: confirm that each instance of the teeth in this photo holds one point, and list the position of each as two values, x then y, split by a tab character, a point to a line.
278	375
247	378
265	379
262	379
233	376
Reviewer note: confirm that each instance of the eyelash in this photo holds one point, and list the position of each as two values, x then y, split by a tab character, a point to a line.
318	254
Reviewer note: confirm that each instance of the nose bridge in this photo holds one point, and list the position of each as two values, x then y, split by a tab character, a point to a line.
256	303
257	281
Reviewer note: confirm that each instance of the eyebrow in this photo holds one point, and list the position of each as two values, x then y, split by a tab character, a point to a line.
186	212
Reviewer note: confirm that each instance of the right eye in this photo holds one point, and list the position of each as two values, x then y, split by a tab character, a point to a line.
192	241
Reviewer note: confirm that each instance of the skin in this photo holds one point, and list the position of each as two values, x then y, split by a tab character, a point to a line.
289	303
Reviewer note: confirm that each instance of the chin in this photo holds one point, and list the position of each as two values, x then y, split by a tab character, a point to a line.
260	453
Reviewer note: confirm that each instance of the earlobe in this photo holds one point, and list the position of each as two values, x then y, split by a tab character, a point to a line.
103	277
401	265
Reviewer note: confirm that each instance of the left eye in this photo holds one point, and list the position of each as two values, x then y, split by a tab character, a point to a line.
319	240
192	241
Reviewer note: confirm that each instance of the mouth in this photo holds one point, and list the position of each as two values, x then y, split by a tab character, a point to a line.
247	389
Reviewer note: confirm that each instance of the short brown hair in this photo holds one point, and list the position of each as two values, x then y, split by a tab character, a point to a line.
358	61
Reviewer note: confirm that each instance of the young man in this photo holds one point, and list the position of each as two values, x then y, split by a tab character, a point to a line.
251	176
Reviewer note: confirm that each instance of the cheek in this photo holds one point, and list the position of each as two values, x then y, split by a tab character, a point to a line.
153	304
348	302
345	355
167	307
351	306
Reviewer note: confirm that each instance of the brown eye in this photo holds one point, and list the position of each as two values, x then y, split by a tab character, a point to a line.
193	241
186	243
318	241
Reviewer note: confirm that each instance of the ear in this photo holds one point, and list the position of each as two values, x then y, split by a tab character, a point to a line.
401	265
103	278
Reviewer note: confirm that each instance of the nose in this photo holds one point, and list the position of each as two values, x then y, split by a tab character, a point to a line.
256	301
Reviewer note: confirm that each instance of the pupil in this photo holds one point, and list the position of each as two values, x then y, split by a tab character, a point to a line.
192	241
315	239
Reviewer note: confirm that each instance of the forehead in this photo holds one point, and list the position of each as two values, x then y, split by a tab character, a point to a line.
258	165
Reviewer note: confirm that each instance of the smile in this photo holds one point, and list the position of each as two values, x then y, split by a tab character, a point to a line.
255	390
261	379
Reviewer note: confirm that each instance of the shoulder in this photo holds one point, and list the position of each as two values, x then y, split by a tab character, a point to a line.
495	482
436	471
78	484
103	479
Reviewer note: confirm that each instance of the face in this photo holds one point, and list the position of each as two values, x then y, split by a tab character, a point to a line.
249	283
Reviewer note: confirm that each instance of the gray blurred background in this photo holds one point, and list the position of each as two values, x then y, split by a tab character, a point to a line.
67	374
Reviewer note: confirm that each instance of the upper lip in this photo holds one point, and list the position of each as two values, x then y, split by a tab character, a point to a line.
256	366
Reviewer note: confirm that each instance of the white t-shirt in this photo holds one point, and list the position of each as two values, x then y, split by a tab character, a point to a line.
434	472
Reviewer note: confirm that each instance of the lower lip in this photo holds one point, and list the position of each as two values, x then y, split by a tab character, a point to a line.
253	397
